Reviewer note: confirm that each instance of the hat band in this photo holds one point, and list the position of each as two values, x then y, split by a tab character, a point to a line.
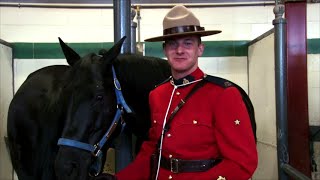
182	29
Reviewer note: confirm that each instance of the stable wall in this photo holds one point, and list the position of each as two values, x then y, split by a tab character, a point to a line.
6	94
96	25
34	31
262	94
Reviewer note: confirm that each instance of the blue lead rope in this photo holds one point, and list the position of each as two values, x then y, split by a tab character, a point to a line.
96	149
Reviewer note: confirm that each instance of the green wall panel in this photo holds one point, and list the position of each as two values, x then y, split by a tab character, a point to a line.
313	46
212	49
154	49
22	50
47	51
53	50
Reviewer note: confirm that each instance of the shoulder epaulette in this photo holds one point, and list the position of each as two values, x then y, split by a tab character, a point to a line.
219	81
225	84
167	80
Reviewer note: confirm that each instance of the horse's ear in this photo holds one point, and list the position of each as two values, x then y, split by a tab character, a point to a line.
114	51
69	53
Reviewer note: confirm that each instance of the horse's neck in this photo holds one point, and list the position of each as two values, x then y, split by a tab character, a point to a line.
139	75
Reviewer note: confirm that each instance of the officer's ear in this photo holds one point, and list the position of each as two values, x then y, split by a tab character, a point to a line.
164	48
200	49
163	45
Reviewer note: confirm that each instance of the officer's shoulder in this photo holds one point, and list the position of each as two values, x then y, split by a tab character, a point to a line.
163	82
224	83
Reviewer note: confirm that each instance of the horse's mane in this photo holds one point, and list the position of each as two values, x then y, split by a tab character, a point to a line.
143	71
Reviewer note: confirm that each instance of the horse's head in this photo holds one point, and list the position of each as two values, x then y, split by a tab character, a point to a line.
90	121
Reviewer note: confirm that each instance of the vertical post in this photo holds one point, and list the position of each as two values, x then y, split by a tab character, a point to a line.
139	46
122	27
281	88
298	120
122	17
133	32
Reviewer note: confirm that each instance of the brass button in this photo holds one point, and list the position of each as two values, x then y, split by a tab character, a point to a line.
170	155
195	122
185	81
154	121
170	177
168	135
221	178
178	93
227	84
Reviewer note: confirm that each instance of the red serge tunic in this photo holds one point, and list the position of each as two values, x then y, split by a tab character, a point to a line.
213	123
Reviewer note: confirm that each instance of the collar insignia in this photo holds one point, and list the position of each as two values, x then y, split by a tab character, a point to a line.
182	81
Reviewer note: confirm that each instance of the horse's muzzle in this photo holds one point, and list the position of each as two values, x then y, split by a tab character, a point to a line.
72	164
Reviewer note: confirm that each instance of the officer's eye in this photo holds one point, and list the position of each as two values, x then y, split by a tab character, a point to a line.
171	44
188	44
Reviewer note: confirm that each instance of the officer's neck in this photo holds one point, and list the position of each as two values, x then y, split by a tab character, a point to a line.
181	74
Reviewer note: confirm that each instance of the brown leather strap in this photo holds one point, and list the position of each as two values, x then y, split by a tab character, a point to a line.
179	106
181	103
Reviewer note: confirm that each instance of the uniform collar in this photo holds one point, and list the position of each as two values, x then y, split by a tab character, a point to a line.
194	76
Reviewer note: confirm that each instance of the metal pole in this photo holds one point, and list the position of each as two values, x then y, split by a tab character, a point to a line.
133	32
294	172
122	13
281	88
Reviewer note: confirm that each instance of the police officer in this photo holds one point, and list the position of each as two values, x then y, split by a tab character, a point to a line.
200	128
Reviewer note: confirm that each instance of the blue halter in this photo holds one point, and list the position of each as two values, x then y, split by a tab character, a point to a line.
96	149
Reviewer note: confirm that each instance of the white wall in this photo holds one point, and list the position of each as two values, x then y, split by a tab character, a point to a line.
6	94
314	89
262	74
231	68
313	21
314	102
23	67
96	25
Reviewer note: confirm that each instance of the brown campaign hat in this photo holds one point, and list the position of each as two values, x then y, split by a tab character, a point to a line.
180	21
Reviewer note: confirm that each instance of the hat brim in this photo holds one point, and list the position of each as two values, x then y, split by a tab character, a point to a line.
200	33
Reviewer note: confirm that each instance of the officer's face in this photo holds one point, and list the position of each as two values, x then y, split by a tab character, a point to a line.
182	54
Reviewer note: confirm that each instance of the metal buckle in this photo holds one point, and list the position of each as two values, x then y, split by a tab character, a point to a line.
174	165
96	150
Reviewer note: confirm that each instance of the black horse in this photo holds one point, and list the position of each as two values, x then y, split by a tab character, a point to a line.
78	103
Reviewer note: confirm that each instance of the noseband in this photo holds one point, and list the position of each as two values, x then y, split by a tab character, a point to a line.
121	107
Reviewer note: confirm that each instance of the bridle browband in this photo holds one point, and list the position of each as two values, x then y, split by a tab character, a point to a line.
121	107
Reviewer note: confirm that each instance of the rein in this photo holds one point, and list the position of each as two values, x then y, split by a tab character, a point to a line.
121	107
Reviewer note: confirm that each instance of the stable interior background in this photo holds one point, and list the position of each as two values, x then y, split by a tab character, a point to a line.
33	34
